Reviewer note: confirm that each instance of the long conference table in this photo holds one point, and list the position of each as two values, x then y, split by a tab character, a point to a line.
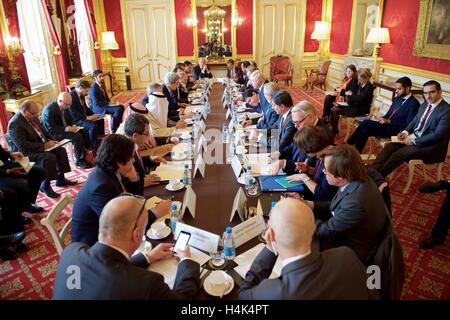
215	193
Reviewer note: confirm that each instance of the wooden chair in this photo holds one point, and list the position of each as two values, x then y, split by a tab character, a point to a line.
49	222
415	162
317	77
281	69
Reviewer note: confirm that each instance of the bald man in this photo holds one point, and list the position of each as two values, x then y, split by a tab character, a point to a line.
106	270
57	119
332	274
28	136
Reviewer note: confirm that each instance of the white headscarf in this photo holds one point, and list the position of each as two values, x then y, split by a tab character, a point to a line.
158	106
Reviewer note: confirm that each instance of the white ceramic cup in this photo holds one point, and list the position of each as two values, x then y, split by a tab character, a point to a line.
158	228
218	281
174	183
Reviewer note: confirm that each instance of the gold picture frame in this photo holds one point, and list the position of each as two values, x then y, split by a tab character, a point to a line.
433	30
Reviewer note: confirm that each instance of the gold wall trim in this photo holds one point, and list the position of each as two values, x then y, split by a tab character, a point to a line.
337	55
423	73
245	56
4	27
183	58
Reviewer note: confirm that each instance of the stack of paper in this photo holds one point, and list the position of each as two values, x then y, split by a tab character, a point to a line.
59	144
26	164
168	267
172	170
245	260
260	163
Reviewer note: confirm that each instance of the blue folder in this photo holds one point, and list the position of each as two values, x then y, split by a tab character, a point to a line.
269	184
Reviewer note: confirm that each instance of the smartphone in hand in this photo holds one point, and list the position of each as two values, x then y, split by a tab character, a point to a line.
182	241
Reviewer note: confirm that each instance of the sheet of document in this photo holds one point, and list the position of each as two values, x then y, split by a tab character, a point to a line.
59	144
172	170
245	260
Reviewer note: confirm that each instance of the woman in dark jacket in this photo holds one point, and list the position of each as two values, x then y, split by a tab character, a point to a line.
350	82
358	101
313	142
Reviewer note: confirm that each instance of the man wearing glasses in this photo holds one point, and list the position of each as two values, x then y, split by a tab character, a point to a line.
28	136
303	114
108	271
57	119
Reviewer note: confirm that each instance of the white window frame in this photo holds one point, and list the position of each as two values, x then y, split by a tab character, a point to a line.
31	22
84	38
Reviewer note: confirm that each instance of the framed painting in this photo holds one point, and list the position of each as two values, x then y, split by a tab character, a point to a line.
433	30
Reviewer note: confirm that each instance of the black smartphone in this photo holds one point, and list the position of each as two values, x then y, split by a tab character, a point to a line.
182	241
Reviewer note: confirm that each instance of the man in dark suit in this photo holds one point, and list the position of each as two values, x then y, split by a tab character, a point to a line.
106	270
403	109
57	120
32	139
113	175
303	114
137	128
101	103
282	104
13	176
356	216
270	119
233	71
426	136
201	70
333	274
83	115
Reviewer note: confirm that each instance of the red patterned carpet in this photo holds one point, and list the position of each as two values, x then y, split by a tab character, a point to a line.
31	276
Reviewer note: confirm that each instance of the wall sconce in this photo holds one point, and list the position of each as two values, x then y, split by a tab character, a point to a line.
14	48
13	45
191	22
236	20
377	36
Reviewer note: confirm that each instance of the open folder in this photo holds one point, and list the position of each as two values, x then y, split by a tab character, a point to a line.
279	183
59	144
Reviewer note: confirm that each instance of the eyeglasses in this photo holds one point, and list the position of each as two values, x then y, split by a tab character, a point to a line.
128	194
299	122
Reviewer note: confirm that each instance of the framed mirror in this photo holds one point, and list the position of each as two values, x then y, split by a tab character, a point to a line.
366	14
214	33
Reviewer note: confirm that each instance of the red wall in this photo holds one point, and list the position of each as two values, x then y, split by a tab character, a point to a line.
340	26
402	23
114	23
313	13
244	33
185	36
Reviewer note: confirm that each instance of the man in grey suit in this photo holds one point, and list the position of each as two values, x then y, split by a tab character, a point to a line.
28	136
426	136
356	215
333	274
106	270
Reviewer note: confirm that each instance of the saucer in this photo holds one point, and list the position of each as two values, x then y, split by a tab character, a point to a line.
179	186
179	156
166	232
241	179
210	290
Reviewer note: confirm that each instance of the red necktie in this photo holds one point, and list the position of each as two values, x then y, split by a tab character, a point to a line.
424	119
38	131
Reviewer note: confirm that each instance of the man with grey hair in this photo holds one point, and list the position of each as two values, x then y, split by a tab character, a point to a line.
201	70
333	274
292	159
108	271
270	119
169	89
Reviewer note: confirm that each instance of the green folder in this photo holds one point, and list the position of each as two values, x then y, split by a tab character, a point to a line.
285	183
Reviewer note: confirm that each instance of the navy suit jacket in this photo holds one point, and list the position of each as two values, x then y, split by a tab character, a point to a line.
354	218
270	116
99	102
402	112
78	112
435	134
332	274
286	133
361	99
100	187
197	73
173	103
52	119
323	191
106	274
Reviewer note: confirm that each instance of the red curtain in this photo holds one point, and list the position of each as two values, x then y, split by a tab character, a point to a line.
63	40
3	118
14	31
62	73
91	19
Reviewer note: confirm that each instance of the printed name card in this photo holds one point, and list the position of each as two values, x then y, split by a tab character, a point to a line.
236	166
202	125
249	229
199	166
228	114
189	201
200	239
239	205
